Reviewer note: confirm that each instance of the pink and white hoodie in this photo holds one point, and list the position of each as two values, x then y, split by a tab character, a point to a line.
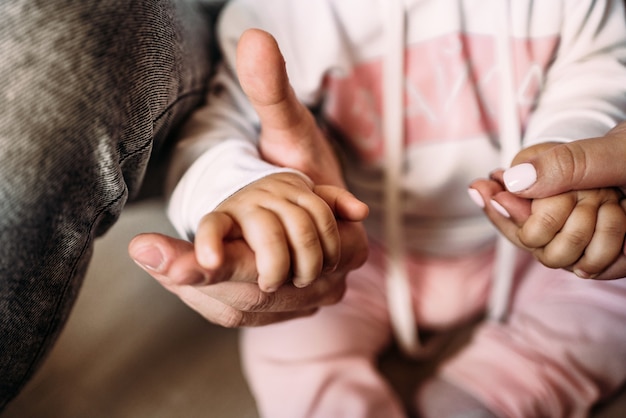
427	96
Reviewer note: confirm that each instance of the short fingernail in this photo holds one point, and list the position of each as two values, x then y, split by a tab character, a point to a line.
520	177
149	257
500	209
476	197
300	283
583	274
268	288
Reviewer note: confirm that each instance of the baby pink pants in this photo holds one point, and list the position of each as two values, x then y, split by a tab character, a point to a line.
562	348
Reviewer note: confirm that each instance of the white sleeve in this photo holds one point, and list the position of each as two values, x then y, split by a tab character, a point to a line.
584	94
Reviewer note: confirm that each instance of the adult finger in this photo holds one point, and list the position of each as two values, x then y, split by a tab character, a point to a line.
169	260
488	194
508	204
224	314
263	77
173	261
491	195
583	164
290	136
247	297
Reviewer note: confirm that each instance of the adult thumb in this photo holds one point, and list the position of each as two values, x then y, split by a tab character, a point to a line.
582	164
290	136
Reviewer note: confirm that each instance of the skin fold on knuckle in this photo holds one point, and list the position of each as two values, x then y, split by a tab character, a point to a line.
569	163
266	238
577	240
304	233
593	266
536	232
328	228
328	232
613	229
260	302
306	248
306	273
564	253
614	220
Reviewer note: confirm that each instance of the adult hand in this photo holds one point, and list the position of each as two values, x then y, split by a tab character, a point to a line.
584	164
290	137
579	165
230	296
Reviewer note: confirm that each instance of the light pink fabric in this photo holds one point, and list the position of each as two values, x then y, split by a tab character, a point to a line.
562	349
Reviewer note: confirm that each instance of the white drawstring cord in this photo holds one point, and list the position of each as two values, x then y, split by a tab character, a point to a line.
510	141
398	286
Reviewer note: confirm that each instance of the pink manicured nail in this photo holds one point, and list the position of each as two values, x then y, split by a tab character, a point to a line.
519	177
476	197
500	209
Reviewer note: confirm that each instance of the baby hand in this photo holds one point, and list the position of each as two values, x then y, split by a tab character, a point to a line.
290	227
581	230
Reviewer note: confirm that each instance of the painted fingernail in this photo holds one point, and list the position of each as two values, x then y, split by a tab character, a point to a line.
500	209
476	197
149	257
520	177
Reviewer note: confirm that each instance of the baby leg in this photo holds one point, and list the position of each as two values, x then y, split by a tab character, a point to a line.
561	350
325	365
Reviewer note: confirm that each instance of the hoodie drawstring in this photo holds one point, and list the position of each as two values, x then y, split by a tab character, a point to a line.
398	284
399	295
509	132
